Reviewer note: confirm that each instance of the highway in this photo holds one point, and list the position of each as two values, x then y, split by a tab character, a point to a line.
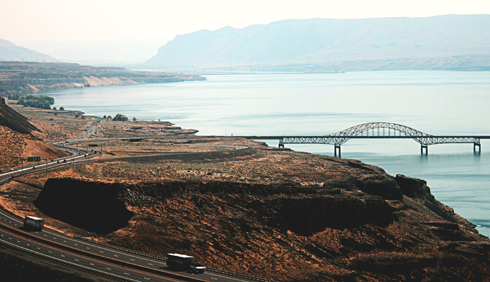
96	257
91	129
77	155
109	261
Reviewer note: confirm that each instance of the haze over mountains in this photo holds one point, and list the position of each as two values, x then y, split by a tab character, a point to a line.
11	52
451	42
440	42
120	52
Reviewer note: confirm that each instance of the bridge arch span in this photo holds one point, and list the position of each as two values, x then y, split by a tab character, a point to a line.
381	130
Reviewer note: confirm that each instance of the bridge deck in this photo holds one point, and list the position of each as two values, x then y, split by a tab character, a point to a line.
338	140
378	130
277	137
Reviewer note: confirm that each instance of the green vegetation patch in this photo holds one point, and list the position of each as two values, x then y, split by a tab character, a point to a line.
41	102
120	117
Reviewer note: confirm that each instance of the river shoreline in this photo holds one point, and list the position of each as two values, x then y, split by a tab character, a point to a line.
261	211
315	105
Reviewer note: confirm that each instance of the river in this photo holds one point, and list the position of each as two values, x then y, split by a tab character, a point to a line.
434	102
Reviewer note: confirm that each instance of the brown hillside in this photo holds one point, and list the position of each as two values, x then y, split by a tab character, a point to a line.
16	146
17	141
13	120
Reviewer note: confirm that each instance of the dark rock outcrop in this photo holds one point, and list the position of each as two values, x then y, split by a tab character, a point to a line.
308	215
92	206
381	186
413	187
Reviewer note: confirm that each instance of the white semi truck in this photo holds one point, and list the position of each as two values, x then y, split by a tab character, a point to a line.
32	222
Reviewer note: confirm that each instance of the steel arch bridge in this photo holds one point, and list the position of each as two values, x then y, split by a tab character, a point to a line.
377	130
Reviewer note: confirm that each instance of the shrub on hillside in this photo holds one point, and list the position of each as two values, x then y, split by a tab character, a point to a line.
120	117
41	102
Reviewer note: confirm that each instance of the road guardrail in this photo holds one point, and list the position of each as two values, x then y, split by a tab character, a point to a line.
65	263
229	273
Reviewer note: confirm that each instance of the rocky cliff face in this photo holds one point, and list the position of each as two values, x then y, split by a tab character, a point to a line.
370	228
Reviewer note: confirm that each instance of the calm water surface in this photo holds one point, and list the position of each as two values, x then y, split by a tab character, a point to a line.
318	104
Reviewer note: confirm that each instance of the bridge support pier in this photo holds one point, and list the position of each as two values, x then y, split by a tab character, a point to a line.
336	147
281	144
426	147
474	148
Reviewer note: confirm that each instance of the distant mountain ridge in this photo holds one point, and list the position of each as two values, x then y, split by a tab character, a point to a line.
103	53
329	41
11	52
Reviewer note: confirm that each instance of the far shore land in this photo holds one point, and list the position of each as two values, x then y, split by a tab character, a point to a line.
41	77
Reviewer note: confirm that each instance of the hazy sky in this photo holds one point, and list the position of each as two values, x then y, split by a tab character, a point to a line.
99	20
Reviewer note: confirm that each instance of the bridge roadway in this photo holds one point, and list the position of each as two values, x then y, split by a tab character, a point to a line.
378	130
338	140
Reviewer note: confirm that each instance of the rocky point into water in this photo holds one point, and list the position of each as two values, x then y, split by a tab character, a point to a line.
349	222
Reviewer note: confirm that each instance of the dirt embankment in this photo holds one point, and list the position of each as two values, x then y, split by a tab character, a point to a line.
368	226
13	120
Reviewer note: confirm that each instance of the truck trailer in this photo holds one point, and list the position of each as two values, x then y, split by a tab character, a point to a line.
184	262
33	223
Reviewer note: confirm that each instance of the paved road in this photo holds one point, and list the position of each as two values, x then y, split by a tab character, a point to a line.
77	155
90	130
93	256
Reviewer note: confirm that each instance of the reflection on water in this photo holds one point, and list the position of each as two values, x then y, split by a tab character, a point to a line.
435	102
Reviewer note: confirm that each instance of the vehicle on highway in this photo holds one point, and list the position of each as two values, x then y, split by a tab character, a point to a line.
32	222
196	268
183	262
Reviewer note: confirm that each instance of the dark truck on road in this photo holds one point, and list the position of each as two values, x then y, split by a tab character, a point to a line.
184	262
33	223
